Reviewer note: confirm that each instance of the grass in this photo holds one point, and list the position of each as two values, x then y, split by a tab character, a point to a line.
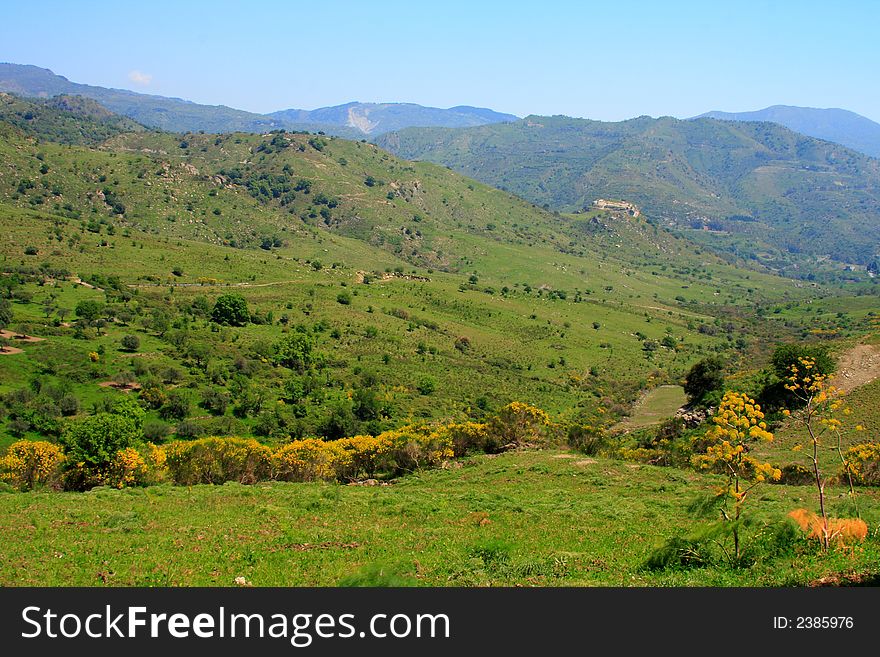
530	518
653	407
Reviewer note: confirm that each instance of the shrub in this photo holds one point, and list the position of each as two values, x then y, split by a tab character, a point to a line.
417	446
156	431
516	424
137	467
467	437
310	460
130	342
217	460
864	463
427	385
368	455
94	441
586	438
295	351
32	464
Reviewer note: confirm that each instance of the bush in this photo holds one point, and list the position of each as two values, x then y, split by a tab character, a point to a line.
176	406
467	437
133	467
130	342
864	464
217	460
94	441
427	385
32	464
311	460
295	351
586	438
516	424
156	431
417	446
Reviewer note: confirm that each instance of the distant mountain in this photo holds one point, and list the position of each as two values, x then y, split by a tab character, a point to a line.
172	114
353	120
837	125
755	189
379	118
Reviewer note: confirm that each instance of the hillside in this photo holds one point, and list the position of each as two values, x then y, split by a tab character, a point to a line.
841	126
755	189
352	120
418	286
65	119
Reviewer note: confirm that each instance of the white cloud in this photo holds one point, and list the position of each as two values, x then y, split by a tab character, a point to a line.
140	78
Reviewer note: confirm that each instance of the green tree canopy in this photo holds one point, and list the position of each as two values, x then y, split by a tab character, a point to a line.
231	309
704	378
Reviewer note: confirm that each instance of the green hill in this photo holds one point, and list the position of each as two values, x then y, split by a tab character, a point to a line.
755	189
417	286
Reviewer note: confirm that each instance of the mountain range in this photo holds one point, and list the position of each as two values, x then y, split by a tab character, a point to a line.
352	120
756	189
750	187
837	125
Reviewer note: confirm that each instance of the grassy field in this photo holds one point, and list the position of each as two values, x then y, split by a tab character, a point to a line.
653	407
521	518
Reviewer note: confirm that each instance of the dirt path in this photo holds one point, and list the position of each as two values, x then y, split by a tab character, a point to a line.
858	366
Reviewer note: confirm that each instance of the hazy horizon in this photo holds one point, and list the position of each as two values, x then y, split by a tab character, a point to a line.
600	62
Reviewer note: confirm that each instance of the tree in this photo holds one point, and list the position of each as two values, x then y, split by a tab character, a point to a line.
230	309
176	407
787	355
704	378
295	351
89	310
5	313
130	342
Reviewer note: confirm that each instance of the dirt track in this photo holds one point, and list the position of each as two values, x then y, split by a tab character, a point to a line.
858	366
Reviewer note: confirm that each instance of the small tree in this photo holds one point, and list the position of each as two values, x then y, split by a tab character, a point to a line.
295	351
230	309
89	310
704	378
738	422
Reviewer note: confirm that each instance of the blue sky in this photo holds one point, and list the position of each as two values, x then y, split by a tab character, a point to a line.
604	60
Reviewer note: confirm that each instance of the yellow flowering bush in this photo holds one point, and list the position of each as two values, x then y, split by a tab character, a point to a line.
863	461
466	437
216	460
516	424
417	446
368	455
136	467
311	460
31	464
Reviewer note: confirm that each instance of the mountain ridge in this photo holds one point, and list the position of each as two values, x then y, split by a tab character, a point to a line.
831	124
180	115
